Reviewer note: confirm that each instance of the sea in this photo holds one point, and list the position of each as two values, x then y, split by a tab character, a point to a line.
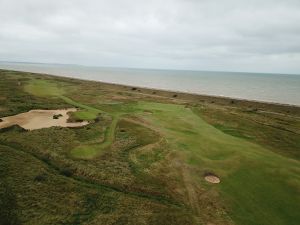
266	87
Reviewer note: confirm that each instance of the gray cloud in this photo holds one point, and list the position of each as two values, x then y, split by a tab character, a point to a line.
234	35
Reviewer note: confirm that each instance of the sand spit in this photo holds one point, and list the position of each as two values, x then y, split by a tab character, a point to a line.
37	119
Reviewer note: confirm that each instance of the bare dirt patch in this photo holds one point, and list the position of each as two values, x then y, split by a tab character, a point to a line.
37	119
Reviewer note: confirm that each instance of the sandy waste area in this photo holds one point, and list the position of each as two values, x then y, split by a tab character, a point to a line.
37	119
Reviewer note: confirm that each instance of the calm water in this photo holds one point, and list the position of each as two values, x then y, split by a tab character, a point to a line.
278	88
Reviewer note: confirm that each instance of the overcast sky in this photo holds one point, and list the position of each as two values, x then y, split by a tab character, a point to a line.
227	35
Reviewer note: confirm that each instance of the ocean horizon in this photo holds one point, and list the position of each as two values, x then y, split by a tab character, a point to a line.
266	87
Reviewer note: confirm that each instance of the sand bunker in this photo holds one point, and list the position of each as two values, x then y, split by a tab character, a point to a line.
37	119
212	179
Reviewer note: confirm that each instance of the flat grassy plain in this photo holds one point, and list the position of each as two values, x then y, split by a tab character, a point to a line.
143	157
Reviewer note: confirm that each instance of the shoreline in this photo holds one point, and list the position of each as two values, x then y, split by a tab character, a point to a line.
214	99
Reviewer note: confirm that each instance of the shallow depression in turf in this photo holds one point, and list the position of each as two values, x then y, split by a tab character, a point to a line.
37	119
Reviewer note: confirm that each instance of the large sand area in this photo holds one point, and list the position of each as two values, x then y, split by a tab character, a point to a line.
37	119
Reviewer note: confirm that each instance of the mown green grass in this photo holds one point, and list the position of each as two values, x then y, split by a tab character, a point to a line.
43	88
85	115
261	195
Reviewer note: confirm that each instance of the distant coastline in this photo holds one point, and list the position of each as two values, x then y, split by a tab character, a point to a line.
248	105
269	88
3	62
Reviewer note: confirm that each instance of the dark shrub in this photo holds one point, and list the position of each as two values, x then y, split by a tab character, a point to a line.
40	177
56	116
209	173
133	88
16	128
66	172
45	158
174	96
